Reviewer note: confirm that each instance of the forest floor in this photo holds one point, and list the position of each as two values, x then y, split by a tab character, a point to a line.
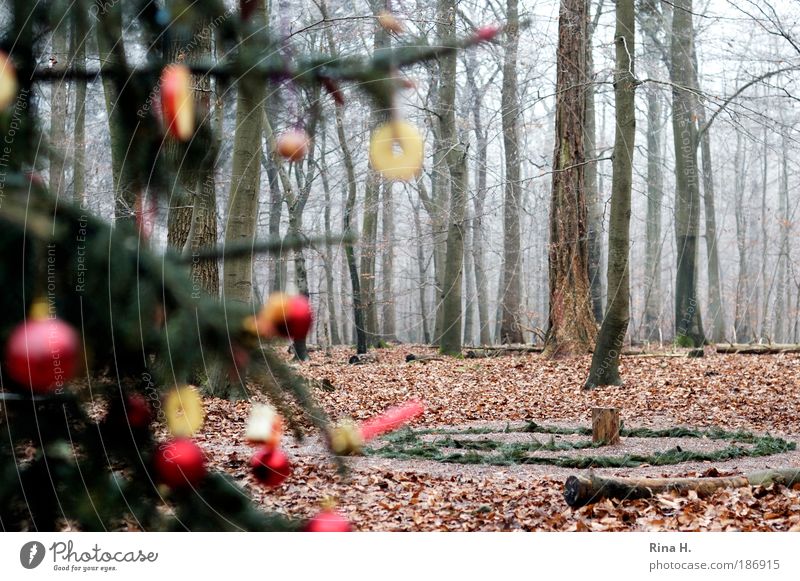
757	393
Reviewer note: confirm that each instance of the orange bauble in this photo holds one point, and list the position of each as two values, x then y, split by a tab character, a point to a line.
292	145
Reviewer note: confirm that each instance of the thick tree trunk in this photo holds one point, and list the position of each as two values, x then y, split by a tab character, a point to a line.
245	179
571	324
454	271
78	58
456	159
605	359
582	490
58	110
511	302
688	322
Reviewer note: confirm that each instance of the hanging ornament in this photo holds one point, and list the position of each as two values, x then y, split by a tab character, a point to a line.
137	411
390	23
42	352
348	437
396	150
292	145
8	81
177	101
328	520
270	466
180	463
183	408
288	316
264	426
487	32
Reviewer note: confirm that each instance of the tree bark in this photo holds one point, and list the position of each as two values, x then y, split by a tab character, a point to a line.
511	301
423	277
652	318
605	359
593	202
245	178
456	160
387	265
688	322
78	57
582	490
327	255
481	159
715	306
743	320
605	421
59	60
571	324
111	50
782	299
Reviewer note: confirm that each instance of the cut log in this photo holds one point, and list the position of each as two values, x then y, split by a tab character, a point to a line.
582	490
605	426
757	349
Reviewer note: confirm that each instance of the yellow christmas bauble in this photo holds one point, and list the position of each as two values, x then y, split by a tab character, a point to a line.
396	150
183	408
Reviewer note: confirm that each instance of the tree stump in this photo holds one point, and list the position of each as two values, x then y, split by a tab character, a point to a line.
605	426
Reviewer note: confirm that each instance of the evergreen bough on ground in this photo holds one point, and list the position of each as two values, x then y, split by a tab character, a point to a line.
409	445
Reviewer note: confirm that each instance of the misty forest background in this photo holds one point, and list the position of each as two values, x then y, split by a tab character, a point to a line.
746	56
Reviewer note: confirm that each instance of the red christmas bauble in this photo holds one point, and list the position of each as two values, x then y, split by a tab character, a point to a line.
42	354
270	466
293	317
180	463
292	145
137	410
329	521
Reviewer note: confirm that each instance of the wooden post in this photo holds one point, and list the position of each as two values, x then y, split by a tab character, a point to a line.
605	425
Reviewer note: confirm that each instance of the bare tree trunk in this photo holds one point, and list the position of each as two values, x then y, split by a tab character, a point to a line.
766	289
469	281
387	265
605	360
58	111
743	329
781	294
593	206
327	257
456	158
78	58
715	306
571	324
111	50
423	287
511	302
655	197
688	322
653	29
481	280
245	178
